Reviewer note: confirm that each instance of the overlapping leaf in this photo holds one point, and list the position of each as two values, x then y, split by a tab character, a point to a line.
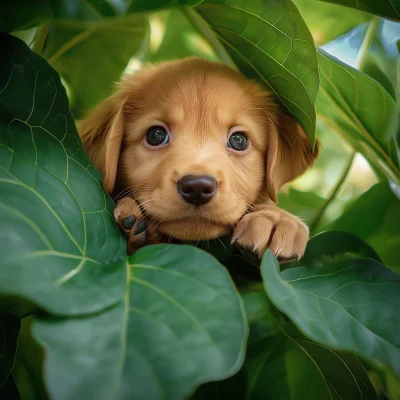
360	110
269	41
138	324
386	8
343	304
375	218
179	325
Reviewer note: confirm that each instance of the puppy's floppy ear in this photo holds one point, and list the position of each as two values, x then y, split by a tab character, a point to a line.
289	153
102	133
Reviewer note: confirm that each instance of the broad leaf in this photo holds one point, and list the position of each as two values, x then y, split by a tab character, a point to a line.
361	111
379	58
9	330
91	57
10	390
322	19
375	218
286	367
180	324
269	41
345	305
386	8
53	209
333	245
173	308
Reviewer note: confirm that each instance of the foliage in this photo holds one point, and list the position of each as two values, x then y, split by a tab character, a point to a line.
169	322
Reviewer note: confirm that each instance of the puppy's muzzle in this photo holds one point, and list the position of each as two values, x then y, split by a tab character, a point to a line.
197	189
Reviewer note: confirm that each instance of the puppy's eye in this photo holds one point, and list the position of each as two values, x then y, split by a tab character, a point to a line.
156	136
238	141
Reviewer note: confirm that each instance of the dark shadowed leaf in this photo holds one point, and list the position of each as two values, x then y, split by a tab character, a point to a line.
385	8
375	218
343	304
180	324
53	210
91	57
336	244
9	330
269	41
360	110
9	390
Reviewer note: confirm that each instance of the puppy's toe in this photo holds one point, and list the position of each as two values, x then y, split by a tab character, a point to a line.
131	221
283	233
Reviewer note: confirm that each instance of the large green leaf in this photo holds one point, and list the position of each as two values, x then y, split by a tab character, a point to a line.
375	218
322	19
270	42
166	320
180	324
360	110
91	57
379	56
344	304
286	367
386	8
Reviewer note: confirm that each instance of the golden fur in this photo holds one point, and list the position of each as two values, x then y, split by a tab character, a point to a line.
200	103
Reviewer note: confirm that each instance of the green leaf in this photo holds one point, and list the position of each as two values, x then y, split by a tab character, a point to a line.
73	46
269	41
361	111
286	367
322	19
9	330
334	245
53	209
168	320
345	305
375	218
379	57
385	8
180	324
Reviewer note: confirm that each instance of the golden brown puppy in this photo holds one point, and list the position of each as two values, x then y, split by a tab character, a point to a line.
195	151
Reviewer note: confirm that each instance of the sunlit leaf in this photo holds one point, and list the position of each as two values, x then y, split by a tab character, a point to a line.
269	41
72	48
342	304
360	110
385	8
375	218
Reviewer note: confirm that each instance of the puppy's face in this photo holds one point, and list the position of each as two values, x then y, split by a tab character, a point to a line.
188	140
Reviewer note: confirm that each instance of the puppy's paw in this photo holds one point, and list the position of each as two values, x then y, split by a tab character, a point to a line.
131	221
273	228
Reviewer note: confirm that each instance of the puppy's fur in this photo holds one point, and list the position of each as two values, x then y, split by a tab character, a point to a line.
201	104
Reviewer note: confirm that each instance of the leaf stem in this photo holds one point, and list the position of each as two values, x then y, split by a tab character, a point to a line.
41	37
369	36
342	178
203	28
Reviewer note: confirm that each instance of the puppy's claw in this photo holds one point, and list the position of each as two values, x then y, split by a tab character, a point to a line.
130	219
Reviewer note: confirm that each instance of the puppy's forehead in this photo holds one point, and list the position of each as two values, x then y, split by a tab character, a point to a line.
194	88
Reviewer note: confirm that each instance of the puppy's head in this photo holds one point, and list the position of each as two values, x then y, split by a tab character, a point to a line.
196	144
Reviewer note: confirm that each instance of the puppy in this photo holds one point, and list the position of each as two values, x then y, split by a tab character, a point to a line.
192	150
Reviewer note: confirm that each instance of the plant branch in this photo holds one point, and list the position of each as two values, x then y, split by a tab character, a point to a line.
41	37
370	34
203	28
334	191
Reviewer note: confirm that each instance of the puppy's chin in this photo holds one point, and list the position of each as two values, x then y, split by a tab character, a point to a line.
193	228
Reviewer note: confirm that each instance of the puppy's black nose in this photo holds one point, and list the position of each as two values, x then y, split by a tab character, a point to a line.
197	189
